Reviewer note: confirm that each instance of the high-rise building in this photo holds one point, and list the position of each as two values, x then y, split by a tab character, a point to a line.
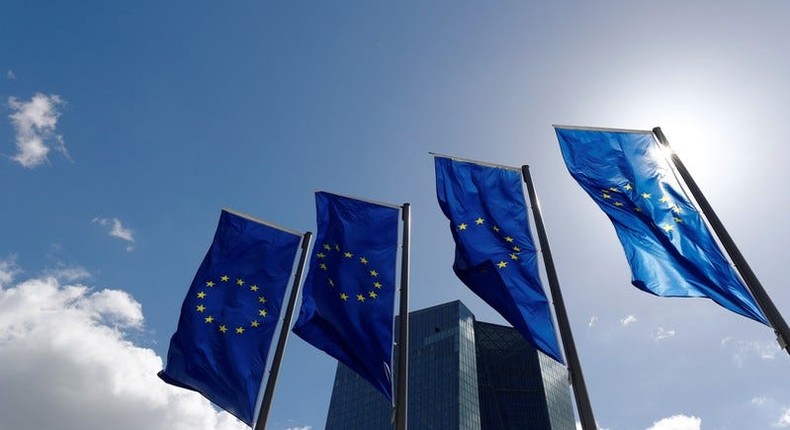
463	375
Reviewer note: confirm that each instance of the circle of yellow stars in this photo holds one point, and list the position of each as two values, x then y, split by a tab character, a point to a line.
626	197
223	328
509	241
375	285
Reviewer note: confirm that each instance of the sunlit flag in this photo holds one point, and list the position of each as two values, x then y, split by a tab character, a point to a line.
668	246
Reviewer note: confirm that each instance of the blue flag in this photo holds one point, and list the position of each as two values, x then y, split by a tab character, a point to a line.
494	253
349	293
230	312
670	249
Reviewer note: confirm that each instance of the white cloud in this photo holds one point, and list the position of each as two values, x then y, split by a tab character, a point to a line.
593	320
10	75
677	422
784	420
663	333
65	350
630	319
35	122
116	229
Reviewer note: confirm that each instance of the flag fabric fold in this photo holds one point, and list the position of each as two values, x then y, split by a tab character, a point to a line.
230	313
495	255
349	293
670	249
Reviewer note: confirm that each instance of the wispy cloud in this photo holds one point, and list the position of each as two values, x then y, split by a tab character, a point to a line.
34	122
8	270
115	228
677	422
743	350
663	333
630	319
593	321
10	75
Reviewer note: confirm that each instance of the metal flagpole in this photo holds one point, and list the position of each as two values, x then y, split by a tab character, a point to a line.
755	287
274	372
401	399
574	367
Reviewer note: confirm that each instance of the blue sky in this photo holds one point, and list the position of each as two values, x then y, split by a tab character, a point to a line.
157	115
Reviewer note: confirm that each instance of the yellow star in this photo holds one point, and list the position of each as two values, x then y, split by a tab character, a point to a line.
509	239
377	285
646	195
331	283
254	288
209	319
372	294
664	199
327	247
676	209
223	329
262	313
255	323
210	284
239	282
607	196
363	260
322	266
614	189
262	299
201	308
638	209
224	278
343	296
495	228
513	257
239	330
462	226
321	255
678	220
337	247
516	248
501	264
479	221
201	295
348	255
374	273
618	204
667	227
360	298
628	187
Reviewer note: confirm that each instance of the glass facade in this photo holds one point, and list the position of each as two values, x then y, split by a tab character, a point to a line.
463	375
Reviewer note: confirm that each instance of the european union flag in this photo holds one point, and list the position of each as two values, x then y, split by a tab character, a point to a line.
670	249
494	253
230	312
349	293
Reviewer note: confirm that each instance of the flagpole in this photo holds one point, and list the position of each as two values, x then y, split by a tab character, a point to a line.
574	366
755	287
401	399
274	372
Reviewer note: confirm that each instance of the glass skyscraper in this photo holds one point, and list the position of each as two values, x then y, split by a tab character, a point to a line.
463	375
